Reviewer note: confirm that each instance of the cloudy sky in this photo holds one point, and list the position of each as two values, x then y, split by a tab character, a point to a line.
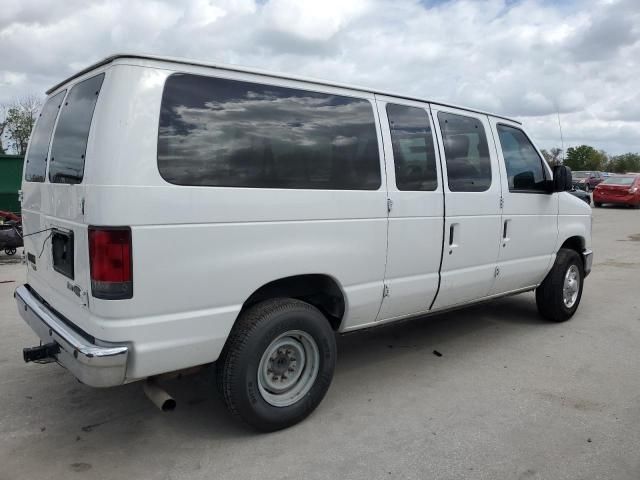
524	58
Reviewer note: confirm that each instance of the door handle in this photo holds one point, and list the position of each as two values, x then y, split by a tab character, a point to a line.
454	233
505	232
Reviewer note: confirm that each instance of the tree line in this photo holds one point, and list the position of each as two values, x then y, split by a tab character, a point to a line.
585	157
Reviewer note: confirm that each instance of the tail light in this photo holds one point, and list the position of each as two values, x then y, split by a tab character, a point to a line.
110	262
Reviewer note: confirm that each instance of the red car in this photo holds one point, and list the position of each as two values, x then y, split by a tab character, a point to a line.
619	189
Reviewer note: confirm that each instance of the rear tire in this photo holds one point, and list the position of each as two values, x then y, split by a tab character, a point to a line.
277	364
597	204
558	296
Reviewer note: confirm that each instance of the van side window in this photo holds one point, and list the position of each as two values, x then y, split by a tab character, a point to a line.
36	163
72	132
413	152
230	133
524	166
466	153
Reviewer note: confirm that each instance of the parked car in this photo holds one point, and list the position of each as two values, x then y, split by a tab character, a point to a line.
586	181
618	190
582	195
302	208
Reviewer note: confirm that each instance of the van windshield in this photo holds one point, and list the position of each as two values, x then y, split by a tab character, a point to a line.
72	132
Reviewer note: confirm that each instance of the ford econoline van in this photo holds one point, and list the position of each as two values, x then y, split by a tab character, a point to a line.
178	213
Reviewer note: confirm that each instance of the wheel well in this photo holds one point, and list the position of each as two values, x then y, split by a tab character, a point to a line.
321	291
574	243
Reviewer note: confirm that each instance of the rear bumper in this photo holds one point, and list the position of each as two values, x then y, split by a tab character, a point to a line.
97	363
587	261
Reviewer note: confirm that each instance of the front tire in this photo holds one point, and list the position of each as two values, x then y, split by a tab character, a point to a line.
558	296
277	364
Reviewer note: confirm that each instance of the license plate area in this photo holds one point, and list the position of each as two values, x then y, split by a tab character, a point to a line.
62	252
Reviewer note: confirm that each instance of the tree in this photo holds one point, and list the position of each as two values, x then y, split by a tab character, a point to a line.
19	117
553	156
3	126
627	162
585	157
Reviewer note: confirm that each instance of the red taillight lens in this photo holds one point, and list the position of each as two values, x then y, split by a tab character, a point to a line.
110	263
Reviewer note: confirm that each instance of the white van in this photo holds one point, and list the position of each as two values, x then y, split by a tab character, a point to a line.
179	213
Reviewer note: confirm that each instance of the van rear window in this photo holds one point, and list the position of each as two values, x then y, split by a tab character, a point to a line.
229	133
36	163
72	132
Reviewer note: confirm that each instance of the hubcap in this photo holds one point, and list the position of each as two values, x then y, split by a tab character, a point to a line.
571	286
288	368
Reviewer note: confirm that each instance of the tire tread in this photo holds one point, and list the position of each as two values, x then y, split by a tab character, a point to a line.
549	298
235	347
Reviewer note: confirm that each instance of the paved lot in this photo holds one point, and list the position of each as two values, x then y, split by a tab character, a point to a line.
511	397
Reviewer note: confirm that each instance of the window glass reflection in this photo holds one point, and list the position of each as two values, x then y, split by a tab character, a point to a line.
72	132
36	162
413	152
221	132
466	153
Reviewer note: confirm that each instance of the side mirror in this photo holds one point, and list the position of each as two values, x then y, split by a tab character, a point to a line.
562	180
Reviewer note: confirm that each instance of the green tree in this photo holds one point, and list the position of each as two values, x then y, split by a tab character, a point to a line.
3	126
627	162
586	157
17	122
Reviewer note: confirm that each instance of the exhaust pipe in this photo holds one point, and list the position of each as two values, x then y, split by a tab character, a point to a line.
159	396
42	353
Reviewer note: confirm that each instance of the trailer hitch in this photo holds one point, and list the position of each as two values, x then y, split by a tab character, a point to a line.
41	354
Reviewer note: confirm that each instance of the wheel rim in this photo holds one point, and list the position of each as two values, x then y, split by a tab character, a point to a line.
288	368
571	286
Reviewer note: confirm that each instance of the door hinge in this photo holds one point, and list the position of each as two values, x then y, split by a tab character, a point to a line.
20	196
497	272
82	206
501	202
385	291
389	205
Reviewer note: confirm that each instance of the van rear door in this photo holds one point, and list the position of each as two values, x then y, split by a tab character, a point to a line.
53	198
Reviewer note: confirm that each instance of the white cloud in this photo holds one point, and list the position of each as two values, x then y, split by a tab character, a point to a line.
528	58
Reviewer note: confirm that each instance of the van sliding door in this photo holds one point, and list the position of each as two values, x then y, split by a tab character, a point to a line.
472	195
416	207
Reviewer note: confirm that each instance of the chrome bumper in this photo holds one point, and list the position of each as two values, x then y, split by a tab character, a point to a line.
587	261
99	364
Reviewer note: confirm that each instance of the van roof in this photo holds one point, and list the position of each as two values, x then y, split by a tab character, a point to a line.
222	66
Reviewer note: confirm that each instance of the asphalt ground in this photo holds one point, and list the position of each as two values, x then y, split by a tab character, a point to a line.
510	396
